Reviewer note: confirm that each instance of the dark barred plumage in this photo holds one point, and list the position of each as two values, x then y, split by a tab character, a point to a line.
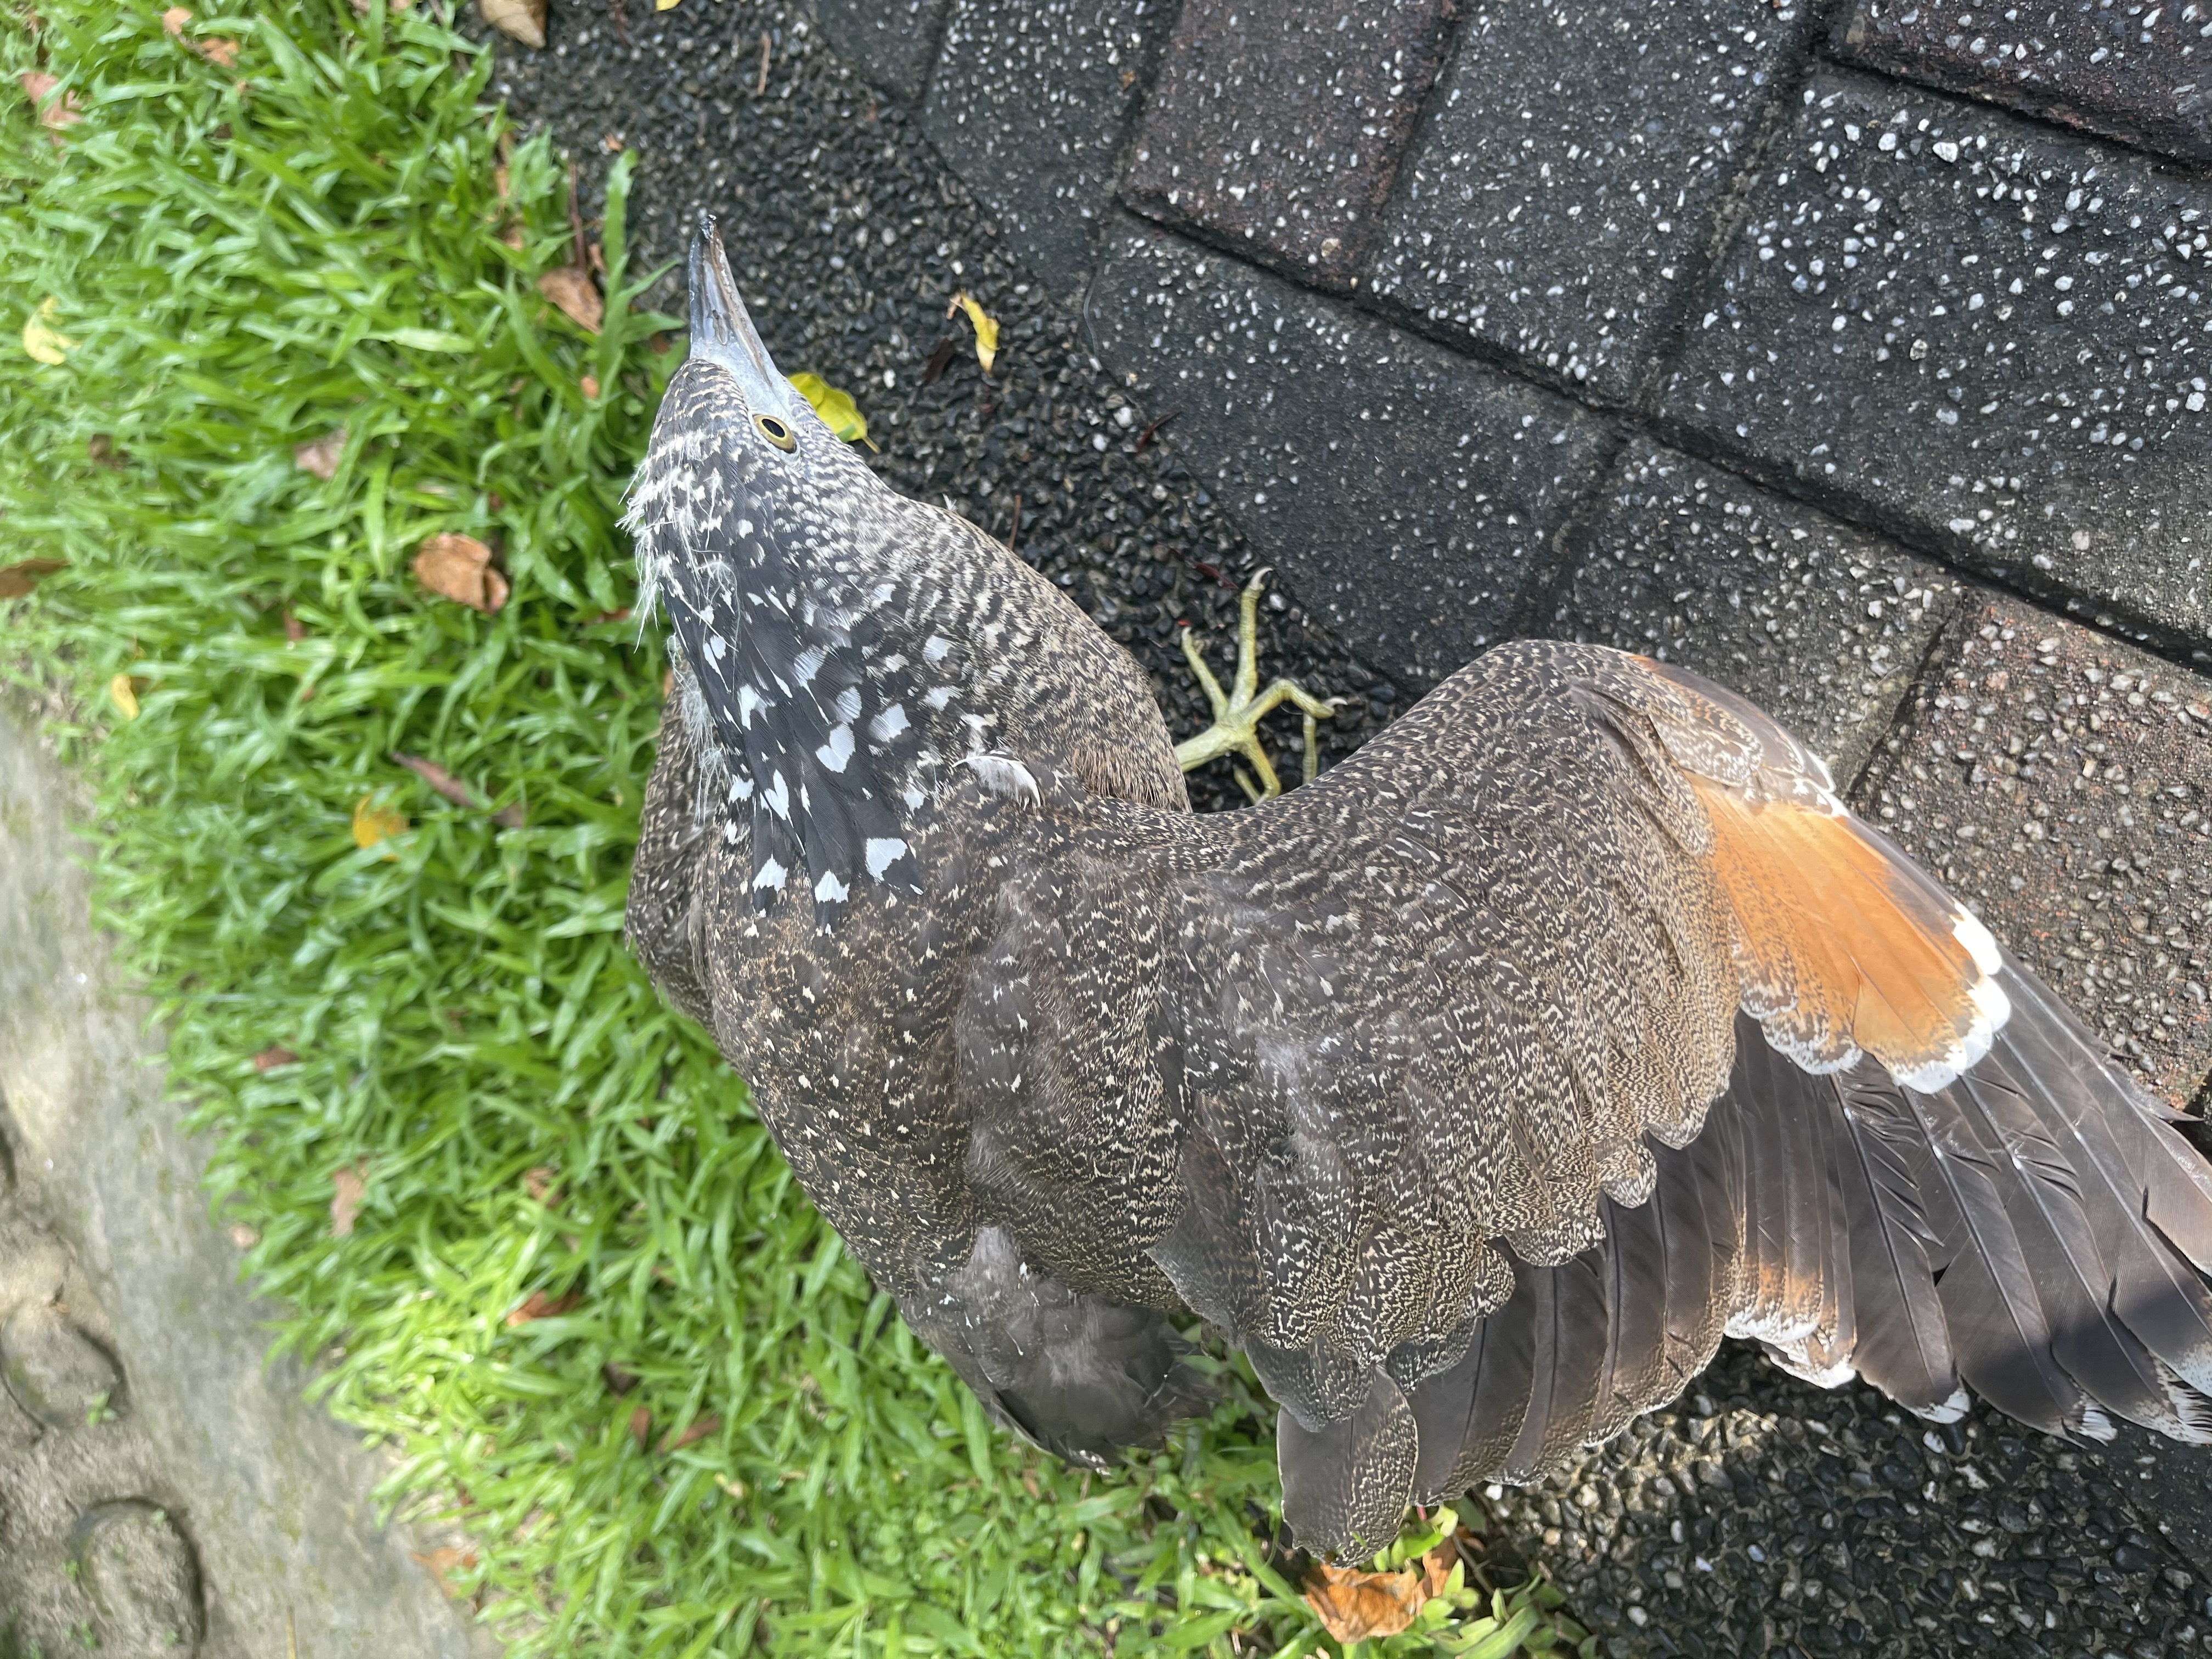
1474	1091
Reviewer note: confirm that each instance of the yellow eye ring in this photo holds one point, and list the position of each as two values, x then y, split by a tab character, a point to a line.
775	431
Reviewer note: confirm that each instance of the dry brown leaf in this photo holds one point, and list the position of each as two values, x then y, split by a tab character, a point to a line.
1358	1607
590	385
320	456
270	1059
295	629
373	823
441	1561
640	1427
518	19
538	1305
53	113
570	288
538	1183
215	49
347	1186
440	780
1436	1568
459	568
622	1381
100	447
20	578
698	1430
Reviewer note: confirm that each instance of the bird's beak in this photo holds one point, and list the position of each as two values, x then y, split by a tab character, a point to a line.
723	334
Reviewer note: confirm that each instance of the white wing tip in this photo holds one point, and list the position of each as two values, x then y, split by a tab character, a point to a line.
1947	1411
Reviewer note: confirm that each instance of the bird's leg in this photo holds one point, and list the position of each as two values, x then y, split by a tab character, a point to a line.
1237	712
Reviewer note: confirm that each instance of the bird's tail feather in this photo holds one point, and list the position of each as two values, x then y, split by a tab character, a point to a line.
2037	1232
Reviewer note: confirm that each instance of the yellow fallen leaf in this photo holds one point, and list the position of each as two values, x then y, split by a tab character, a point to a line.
373	823
347	1188
570	289
459	568
124	696
837	410
519	20
41	339
667	5
987	327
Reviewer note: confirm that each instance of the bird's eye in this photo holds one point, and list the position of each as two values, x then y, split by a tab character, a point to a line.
775	432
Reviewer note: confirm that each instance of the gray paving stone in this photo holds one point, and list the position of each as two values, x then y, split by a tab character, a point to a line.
1978	331
2136	69
1822	625
1279	125
1565	190
1029	104
2061	783
109	1221
143	1580
58	1373
889	41
1408	496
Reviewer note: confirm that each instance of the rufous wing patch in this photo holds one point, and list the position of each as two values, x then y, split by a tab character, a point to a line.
1842	946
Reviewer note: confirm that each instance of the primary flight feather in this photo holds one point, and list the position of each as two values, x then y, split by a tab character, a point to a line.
1474	1090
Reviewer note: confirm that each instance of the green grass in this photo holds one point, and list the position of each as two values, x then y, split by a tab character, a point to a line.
243	259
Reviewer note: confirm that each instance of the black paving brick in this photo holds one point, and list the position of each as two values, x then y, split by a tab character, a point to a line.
2060	782
1822	625
889	41
1565	187
1279	125
1408	495
1980	332
2141	70
1029	103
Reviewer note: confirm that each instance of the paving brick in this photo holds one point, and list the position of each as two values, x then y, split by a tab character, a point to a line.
1566	186
1822	625
1029	103
1279	125
1408	495
1978	331
2060	782
2139	70
889	41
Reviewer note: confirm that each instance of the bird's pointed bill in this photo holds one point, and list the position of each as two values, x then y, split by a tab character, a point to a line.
722	331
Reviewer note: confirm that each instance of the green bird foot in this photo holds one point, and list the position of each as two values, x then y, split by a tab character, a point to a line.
1237	712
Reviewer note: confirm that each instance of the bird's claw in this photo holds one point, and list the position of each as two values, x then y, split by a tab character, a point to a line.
1237	712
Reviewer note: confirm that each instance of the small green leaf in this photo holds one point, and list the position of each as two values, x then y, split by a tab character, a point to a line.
837	410
424	339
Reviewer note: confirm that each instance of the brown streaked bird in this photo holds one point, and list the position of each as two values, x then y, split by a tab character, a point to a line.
1474	1090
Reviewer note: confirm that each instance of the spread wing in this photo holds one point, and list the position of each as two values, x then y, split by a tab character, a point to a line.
1477	1088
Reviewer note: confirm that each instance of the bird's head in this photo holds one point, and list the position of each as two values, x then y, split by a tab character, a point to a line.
754	525
723	337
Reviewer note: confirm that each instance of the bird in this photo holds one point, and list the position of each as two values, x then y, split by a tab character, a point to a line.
1474	1090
